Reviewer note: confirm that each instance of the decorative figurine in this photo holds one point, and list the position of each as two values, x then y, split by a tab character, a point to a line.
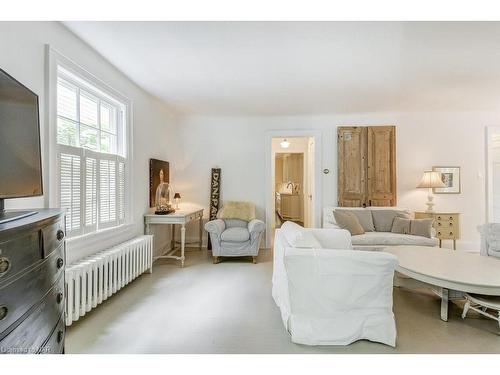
162	201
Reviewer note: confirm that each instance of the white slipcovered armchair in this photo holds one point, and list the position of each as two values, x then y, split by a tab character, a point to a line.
490	239
235	232
328	293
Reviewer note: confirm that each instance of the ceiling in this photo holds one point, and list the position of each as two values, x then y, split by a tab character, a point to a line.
290	68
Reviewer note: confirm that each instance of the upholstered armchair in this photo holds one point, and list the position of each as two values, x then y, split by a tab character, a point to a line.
235	232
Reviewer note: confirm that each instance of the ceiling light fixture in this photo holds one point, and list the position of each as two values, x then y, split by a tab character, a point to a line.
284	143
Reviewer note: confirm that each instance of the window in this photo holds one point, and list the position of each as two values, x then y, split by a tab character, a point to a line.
92	164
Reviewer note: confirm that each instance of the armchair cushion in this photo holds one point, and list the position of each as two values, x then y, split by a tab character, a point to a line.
235	234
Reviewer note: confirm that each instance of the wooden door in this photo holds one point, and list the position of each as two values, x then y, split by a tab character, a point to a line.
351	142
366	166
381	163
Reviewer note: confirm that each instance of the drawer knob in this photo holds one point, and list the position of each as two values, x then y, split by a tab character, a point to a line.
59	297
60	235
439	224
60	262
451	233
3	312
439	233
4	265
60	335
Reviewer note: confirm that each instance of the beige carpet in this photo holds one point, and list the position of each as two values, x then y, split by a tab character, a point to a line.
228	308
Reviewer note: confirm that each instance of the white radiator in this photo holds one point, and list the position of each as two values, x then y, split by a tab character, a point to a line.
93	279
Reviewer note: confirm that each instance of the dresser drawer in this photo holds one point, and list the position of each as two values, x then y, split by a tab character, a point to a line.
445	224
55	343
445	233
19	253
36	328
446	217
52	237
22	293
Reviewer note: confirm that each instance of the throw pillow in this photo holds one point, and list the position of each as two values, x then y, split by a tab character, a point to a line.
421	227
237	210
347	220
401	225
364	217
383	218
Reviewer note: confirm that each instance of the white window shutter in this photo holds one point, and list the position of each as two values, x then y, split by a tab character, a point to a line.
70	190
90	194
121	191
107	193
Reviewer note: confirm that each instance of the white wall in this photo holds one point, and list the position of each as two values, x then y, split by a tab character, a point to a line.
22	46
236	144
195	144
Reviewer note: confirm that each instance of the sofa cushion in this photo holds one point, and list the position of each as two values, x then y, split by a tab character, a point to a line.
401	225
347	220
391	239
383	218
421	227
235	234
299	237
364	217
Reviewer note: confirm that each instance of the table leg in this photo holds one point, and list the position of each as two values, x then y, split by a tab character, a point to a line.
454	244
444	304
440	242
172	240
201	231
183	242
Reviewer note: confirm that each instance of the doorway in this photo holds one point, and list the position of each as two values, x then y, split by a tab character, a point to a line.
493	174
292	179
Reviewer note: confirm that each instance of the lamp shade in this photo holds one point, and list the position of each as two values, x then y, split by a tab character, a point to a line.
431	179
177	196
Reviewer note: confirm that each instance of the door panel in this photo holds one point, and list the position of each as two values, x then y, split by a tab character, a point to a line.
351	166
366	166
381	166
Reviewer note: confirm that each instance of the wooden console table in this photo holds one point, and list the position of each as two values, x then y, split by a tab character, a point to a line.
180	217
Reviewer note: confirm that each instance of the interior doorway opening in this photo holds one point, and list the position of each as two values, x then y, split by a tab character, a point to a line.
292	181
493	174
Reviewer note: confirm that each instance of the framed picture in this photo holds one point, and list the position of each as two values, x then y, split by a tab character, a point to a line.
451	178
159	171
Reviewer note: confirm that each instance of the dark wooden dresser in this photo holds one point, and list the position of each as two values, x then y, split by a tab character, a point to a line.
32	297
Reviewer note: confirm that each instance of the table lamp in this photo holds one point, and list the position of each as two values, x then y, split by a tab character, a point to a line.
431	179
177	199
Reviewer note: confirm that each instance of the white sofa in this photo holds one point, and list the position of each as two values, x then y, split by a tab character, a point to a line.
330	294
370	239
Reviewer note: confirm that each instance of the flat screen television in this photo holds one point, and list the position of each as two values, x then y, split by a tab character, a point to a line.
20	155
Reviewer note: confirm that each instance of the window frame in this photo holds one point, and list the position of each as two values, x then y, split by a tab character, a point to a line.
88	82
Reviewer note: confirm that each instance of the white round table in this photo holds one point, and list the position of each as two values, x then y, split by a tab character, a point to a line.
449	270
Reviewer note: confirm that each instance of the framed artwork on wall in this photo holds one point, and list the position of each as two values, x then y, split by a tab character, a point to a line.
451	178
159	172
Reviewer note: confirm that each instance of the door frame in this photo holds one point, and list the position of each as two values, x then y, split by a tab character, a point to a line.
269	172
489	130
